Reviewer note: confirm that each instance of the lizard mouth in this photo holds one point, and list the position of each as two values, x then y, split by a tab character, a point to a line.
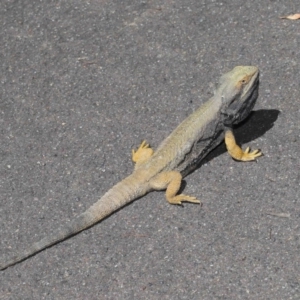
251	87
247	101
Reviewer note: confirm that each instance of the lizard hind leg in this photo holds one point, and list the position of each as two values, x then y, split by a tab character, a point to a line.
171	181
142	154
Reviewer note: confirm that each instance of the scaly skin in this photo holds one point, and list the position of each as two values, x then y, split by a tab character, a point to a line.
177	156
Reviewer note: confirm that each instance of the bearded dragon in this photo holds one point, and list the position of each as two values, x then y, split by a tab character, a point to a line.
178	155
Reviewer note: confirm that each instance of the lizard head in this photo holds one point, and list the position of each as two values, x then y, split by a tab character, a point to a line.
238	90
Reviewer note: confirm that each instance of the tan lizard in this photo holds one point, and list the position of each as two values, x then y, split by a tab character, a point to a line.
177	155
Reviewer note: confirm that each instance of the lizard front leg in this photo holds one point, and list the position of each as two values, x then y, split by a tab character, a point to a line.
142	154
171	181
236	152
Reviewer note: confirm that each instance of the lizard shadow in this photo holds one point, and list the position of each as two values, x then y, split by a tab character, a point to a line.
256	125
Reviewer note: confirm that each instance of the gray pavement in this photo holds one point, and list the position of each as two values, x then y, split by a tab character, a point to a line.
84	82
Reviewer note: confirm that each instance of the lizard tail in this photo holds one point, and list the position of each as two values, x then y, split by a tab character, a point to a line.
119	195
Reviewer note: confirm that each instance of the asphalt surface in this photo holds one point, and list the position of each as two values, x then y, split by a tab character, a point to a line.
84	82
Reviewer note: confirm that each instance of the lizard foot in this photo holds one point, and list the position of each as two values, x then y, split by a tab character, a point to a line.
183	198
248	156
143	153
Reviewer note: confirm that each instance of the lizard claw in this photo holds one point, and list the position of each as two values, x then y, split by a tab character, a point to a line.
247	150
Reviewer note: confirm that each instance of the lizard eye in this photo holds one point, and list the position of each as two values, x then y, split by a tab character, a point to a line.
244	80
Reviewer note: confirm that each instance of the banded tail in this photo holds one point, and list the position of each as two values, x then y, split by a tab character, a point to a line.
119	195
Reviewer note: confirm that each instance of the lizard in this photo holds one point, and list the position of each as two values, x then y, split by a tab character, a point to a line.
178	155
